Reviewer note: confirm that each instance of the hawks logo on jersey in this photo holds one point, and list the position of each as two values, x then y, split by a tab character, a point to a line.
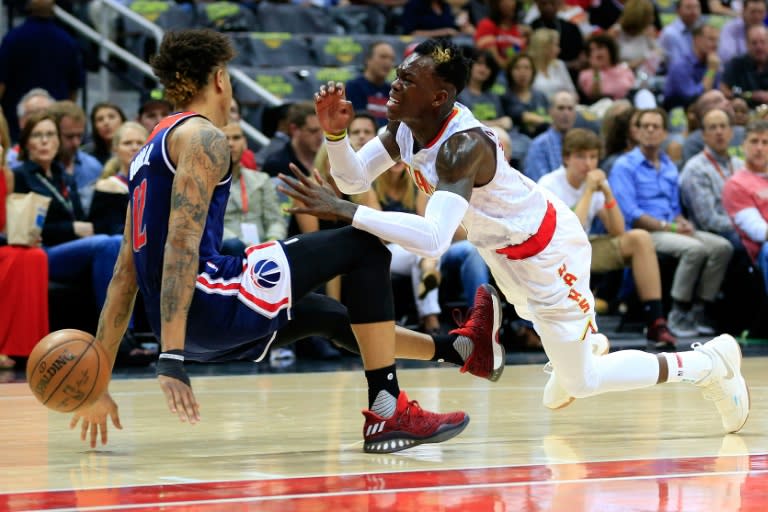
419	179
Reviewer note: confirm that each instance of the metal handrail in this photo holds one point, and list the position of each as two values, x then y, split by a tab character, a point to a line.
103	41
108	46
140	20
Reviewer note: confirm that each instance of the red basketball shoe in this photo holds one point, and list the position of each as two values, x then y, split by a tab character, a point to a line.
409	426
482	327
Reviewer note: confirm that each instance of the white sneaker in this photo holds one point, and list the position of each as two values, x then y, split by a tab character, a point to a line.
555	397
725	385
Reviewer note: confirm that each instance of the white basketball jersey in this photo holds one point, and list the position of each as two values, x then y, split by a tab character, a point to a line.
548	282
506	211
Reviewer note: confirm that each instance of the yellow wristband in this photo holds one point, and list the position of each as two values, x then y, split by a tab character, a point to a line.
335	138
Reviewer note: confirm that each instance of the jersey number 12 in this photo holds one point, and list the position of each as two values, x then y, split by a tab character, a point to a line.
139	229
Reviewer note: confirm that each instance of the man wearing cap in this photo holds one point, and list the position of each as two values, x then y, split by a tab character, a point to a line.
154	107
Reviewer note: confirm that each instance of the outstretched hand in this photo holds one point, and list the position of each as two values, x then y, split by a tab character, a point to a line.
334	112
181	400
315	196
95	419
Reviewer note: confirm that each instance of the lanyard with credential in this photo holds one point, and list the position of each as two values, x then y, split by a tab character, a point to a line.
717	166
243	194
64	201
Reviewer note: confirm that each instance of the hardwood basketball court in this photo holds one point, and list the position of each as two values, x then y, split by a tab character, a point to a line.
293	442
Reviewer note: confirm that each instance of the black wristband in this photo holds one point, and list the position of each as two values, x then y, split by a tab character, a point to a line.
171	364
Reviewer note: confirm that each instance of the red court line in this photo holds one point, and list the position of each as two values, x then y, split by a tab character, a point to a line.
343	490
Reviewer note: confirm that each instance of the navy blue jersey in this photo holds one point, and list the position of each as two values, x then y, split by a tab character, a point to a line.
237	299
150	182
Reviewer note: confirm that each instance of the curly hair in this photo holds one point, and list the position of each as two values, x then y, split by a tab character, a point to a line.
451	64
186	60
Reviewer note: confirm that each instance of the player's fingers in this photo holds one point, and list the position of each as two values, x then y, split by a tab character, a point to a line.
303	178
170	399
116	420
294	193
73	421
83	429
318	177
190	405
94	434
103	428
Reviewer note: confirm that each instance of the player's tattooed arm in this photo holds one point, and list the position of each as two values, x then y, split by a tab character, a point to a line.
203	158
121	295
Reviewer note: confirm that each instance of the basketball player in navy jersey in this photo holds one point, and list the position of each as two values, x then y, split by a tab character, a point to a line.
533	243
208	307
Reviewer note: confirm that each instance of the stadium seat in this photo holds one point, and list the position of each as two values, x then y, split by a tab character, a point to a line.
274	49
296	19
332	50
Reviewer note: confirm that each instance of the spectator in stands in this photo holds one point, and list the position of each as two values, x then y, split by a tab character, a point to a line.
740	112
691	74
710	100
551	74
704	175
644	182
585	188
477	95
606	76
747	75
275	118
106	118
745	196
605	15
546	151
110	198
83	167
38	53
23	278
34	101
637	37
72	247
253	214
733	36
526	106
616	133
154	107
676	39
571	40
432	18
369	92
306	139
248	160
500	32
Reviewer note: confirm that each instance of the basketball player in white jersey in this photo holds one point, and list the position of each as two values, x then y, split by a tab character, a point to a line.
534	245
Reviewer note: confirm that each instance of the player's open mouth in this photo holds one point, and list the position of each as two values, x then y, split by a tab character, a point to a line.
392	101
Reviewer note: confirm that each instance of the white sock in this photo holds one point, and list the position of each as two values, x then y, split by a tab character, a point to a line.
385	404
690	366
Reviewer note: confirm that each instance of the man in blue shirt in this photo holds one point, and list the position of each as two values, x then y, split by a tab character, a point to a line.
692	73
38	53
644	182
677	37
370	91
546	151
85	168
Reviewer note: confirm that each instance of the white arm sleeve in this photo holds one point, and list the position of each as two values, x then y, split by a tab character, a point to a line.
751	223
427	236
354	172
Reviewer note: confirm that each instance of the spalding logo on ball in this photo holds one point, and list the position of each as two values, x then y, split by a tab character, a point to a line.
265	274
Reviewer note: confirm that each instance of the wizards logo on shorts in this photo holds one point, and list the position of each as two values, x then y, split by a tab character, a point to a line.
265	274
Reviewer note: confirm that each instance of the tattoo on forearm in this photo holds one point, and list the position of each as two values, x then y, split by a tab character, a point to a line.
202	165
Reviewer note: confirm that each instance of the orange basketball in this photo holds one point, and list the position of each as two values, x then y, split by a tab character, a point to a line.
68	370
